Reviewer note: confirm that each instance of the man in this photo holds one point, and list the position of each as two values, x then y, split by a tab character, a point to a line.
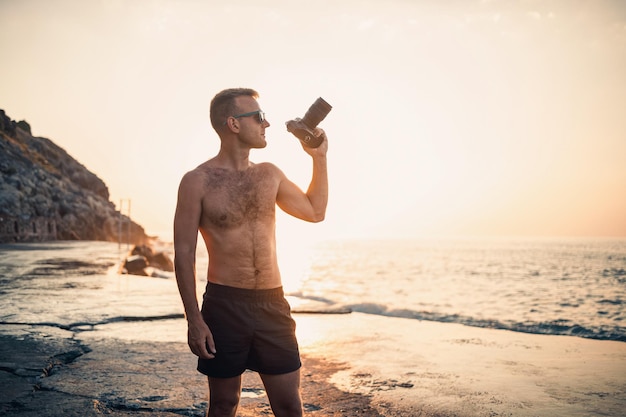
245	321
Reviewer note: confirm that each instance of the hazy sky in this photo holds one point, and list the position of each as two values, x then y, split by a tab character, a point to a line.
449	117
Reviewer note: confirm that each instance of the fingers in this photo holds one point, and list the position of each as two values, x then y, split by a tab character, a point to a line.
210	345
201	343
322	148
202	349
318	132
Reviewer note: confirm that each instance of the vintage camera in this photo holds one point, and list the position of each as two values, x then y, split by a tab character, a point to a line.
303	128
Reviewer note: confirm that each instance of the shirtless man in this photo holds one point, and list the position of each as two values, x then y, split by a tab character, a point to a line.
245	321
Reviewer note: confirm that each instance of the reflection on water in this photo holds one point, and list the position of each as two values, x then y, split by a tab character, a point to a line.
72	284
554	286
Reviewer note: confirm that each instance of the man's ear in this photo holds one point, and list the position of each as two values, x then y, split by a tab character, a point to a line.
233	124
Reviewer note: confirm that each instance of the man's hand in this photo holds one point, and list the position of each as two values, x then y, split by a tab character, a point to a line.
320	150
200	340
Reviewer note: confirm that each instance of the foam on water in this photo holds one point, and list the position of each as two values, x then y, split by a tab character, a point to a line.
553	286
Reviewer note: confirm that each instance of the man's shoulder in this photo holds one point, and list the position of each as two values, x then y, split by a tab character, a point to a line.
196	176
269	168
193	175
210	174
202	170
266	166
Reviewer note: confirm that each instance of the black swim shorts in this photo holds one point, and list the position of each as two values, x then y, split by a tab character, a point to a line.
252	329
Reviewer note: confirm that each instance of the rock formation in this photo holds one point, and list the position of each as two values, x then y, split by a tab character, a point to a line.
143	260
45	194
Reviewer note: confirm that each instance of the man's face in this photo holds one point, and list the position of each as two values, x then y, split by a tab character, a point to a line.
251	129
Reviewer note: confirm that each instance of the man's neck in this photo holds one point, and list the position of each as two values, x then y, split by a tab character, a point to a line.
235	159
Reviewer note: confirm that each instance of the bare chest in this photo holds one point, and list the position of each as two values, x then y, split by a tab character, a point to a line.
232	199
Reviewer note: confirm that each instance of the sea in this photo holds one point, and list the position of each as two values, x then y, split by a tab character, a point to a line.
558	286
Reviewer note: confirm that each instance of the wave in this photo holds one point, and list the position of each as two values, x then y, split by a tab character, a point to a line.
618	274
561	327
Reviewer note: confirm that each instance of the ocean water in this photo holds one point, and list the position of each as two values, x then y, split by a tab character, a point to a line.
573	287
537	285
76	286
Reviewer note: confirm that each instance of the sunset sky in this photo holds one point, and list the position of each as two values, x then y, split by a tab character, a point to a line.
449	117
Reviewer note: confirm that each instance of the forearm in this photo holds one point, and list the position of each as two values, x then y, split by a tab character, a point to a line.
317	192
186	280
199	336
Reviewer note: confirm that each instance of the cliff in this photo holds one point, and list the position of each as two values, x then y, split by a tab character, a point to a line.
45	194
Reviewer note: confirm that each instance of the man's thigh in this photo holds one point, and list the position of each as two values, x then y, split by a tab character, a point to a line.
283	391
224	394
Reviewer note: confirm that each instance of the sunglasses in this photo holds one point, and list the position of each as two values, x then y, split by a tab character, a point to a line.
260	113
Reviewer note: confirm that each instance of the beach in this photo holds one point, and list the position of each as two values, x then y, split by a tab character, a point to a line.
353	364
122	378
77	339
420	368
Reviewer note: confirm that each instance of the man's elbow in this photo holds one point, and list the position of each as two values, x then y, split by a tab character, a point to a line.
318	217
183	258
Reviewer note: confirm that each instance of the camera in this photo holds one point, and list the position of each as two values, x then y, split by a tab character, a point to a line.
302	128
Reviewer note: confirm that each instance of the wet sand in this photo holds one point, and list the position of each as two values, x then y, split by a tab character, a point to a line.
353	365
116	345
51	375
420	368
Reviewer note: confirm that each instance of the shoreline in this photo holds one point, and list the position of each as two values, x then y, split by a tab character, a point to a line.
53	372
421	368
353	364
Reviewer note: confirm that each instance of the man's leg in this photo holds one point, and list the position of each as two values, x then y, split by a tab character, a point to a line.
283	392
224	396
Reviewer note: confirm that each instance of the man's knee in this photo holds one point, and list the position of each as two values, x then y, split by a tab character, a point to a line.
224	395
284	408
223	406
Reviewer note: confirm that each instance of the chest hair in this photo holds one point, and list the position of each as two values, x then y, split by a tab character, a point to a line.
234	198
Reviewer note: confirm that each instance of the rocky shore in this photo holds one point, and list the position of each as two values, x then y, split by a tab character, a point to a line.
51	374
410	368
45	194
79	339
